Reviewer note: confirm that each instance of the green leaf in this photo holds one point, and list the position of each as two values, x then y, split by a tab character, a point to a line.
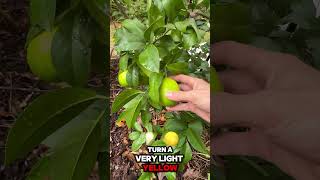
153	13
76	144
149	127
196	126
146	117
178	68
172	8
189	39
133	76
175	124
71	50
196	141
123	98
139	142
134	135
158	143
187	152
123	63
42	13
132	111
155	81
171	175
44	116
98	10
145	176
130	36
138	127
149	59
150	32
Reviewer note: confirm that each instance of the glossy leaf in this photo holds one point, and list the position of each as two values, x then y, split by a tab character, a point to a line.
172	7
171	175
187	152
134	135
123	98
139	142
149	59
132	110
155	81
196	142
123	63
196	126
76	144
71	50
44	116
178	68
130	36
98	10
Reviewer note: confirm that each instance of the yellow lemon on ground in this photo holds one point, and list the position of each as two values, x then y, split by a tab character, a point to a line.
122	78
39	56
168	85
171	138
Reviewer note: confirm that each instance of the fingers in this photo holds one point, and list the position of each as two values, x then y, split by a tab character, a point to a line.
191	107
181	96
242	56
238	82
184	79
185	87
239	109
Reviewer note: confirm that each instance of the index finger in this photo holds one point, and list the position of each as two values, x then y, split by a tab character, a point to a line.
241	56
188	80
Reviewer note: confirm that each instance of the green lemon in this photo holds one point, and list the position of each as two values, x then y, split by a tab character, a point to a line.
168	85
171	139
39	56
215	83
122	78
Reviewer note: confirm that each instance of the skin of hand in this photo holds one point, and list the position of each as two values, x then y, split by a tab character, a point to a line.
278	97
194	95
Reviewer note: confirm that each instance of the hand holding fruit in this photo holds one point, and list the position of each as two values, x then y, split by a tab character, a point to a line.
194	95
277	97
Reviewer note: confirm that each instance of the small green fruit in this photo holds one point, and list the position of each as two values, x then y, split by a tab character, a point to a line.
122	78
168	85
39	57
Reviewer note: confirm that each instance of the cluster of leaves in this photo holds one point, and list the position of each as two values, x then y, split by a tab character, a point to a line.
164	45
69	121
282	26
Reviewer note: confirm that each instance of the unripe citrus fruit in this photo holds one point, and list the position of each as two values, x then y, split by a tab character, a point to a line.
171	138
168	85
39	56
122	78
149	137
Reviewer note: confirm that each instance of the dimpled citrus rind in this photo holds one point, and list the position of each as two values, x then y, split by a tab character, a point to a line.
168	85
171	138
39	57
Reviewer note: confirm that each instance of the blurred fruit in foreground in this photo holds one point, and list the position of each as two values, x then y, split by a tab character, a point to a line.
39	57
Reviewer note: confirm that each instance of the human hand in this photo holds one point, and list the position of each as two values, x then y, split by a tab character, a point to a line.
278	97
195	95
